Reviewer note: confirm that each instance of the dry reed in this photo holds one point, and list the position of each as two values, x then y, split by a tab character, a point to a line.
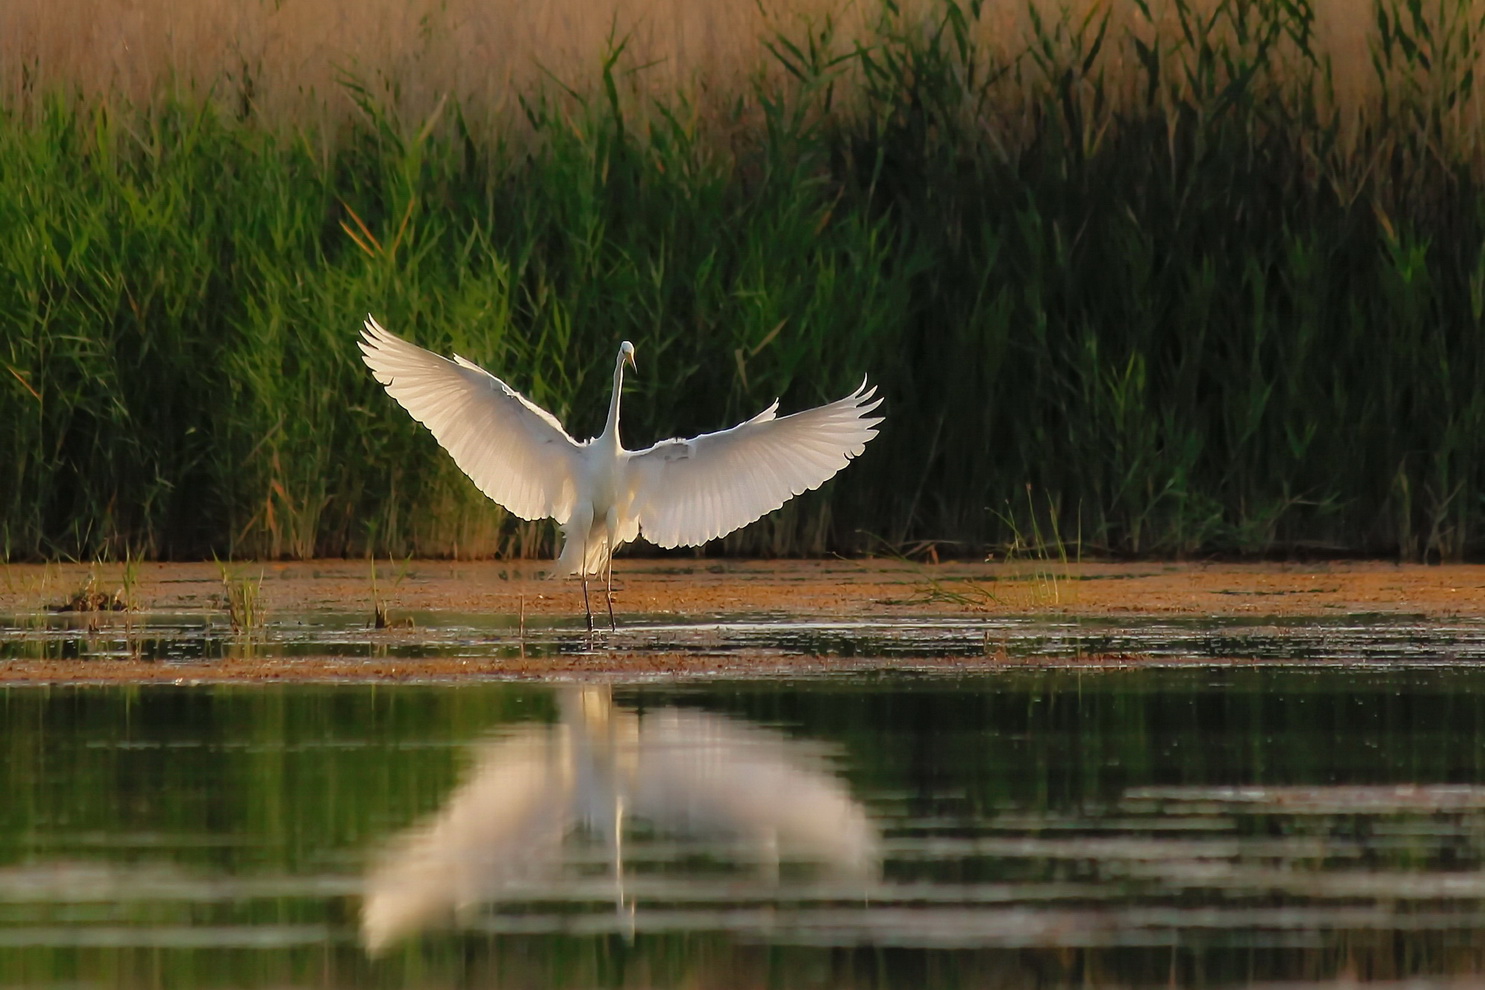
284	61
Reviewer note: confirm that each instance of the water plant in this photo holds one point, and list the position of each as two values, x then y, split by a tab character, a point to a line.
380	610
1036	566
1206	278
242	597
90	598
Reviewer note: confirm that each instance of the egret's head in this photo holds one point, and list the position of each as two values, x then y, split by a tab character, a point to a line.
626	353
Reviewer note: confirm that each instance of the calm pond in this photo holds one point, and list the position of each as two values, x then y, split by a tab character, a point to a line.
1186	824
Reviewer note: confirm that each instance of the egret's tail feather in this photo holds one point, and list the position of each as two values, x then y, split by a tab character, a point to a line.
573	561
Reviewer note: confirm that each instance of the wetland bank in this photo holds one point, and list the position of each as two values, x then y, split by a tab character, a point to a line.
434	620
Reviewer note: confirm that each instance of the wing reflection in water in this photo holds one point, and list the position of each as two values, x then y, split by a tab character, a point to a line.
505	830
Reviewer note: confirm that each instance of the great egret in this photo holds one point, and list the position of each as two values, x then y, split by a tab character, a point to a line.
505	832
678	493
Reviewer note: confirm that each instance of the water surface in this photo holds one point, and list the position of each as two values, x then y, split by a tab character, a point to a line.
1138	826
878	640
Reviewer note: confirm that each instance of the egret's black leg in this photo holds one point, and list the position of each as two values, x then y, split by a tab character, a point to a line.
612	625
608	569
587	607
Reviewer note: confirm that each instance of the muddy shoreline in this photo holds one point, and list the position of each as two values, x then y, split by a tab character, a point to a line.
697	589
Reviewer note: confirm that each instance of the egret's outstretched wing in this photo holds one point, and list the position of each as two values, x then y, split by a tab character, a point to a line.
689	491
512	449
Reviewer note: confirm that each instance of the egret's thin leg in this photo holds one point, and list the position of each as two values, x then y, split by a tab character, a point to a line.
611	534
587	608
612	624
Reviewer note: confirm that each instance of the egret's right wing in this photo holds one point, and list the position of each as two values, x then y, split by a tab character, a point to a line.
512	449
687	492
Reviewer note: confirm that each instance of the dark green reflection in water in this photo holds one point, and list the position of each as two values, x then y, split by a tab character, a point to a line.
1213	826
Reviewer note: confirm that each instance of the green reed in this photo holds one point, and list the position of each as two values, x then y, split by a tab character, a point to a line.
1191	297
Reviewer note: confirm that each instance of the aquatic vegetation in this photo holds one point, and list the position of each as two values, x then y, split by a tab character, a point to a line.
242	598
381	617
89	598
1208	277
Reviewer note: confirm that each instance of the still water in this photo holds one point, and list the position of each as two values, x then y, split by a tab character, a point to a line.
1188	825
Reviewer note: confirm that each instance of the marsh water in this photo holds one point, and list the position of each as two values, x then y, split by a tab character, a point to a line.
1314	814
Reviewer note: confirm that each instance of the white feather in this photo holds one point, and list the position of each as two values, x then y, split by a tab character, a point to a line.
690	491
512	449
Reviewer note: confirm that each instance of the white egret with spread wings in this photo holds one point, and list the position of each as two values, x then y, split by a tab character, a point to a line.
676	493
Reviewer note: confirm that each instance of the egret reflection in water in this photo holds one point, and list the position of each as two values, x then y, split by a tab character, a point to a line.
533	794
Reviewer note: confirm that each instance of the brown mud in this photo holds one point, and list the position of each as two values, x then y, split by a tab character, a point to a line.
697	588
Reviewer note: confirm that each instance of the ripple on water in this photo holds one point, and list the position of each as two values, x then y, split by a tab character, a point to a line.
197	637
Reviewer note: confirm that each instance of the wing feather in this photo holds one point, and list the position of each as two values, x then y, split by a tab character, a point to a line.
514	451
687	492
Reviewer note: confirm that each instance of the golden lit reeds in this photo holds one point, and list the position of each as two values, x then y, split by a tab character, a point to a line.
284	60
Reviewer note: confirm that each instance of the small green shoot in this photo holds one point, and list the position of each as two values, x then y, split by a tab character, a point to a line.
242	597
381	618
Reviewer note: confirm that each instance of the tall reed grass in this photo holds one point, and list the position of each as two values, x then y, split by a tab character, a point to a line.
1207	276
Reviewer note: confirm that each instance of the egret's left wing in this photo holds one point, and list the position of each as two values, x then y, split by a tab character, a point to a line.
689	491
512	449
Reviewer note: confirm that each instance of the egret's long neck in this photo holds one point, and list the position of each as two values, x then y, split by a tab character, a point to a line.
611	428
